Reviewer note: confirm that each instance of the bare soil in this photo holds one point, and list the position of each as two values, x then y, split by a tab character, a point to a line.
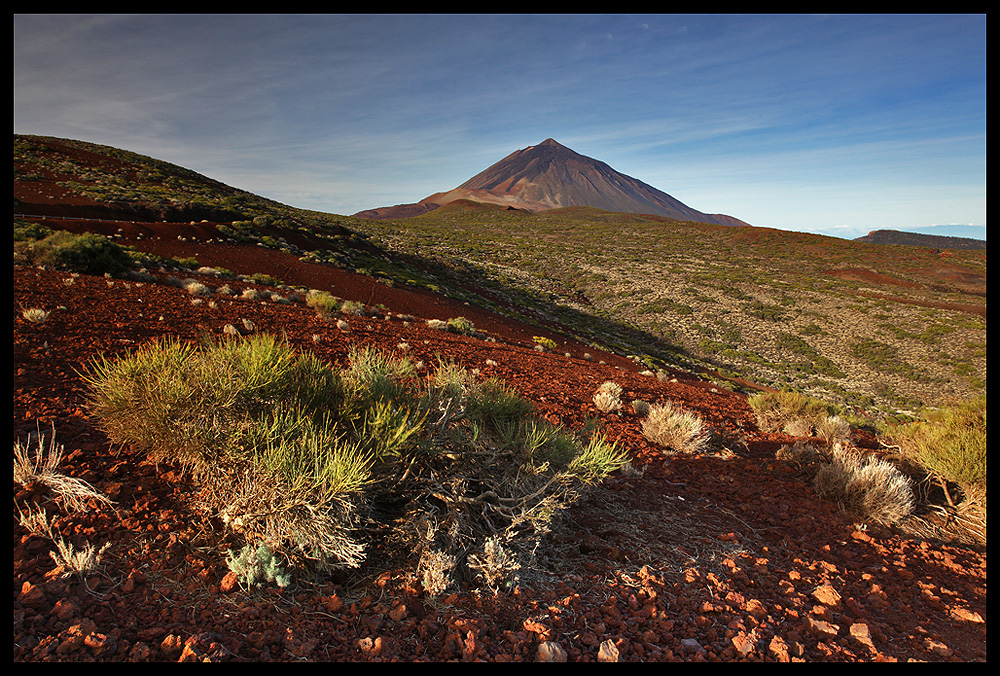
727	556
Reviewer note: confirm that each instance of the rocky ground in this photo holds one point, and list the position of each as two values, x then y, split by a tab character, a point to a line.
728	556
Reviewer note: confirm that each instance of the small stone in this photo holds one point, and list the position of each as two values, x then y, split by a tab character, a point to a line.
691	644
822	627
779	649
230	582
31	595
66	609
171	646
937	647
608	652
101	644
744	643
550	651
827	595
966	615
861	632
756	609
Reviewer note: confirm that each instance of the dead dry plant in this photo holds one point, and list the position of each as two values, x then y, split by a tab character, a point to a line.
866	487
40	467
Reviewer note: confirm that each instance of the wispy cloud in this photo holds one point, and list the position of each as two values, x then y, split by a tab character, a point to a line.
345	112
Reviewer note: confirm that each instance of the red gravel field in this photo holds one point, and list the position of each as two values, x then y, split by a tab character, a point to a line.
725	556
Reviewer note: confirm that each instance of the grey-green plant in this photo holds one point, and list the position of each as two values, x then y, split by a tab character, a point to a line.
258	565
311	460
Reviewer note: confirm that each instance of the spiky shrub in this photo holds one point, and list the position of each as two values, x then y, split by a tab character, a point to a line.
833	429
41	466
640	407
75	494
801	454
196	288
950	444
311	460
865	487
461	325
326	304
673	427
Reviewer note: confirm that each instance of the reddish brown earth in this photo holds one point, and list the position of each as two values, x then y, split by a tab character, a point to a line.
728	556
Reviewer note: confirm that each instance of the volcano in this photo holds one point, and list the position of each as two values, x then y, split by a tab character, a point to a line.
550	176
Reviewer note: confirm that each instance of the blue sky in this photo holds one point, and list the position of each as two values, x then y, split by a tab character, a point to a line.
836	124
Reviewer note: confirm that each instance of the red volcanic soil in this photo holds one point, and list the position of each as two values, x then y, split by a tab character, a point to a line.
728	556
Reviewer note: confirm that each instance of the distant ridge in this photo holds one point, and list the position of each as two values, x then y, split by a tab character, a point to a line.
550	176
919	239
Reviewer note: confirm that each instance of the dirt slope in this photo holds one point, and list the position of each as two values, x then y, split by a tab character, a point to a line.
723	557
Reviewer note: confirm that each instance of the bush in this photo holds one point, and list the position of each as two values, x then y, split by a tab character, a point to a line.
866	488
26	231
326	304
88	253
546	343
672	427
462	326
312	461
949	443
35	315
775	410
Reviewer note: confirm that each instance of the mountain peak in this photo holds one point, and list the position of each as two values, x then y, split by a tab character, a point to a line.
551	176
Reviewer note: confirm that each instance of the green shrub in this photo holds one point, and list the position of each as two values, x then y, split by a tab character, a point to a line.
87	253
950	443
461	325
310	461
26	231
326	304
265	279
546	343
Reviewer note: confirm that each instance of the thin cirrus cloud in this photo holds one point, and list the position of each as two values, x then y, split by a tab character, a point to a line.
773	119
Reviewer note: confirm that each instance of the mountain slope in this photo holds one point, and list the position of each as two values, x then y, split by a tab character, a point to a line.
550	176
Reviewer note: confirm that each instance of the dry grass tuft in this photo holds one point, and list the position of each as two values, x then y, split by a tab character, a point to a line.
673	427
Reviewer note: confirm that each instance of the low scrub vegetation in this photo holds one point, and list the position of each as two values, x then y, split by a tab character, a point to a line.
40	467
307	463
790	412
865	487
950	443
671	426
608	399
87	253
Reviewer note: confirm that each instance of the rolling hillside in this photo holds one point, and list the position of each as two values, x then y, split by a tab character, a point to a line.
865	324
725	550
